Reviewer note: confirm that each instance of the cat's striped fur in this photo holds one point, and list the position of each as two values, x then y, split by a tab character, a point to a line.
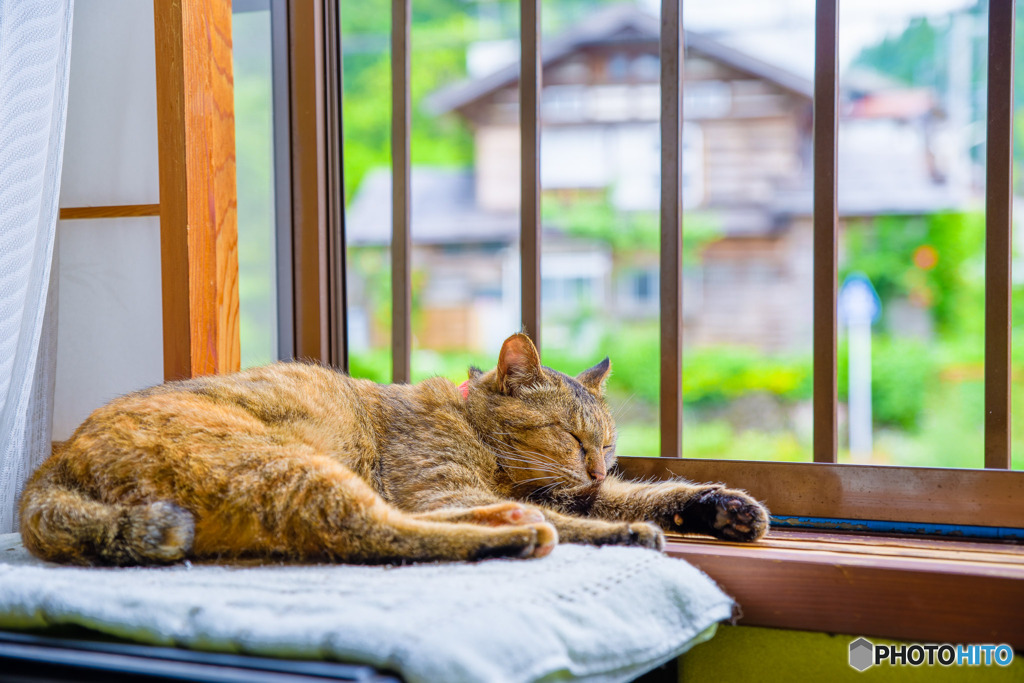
298	461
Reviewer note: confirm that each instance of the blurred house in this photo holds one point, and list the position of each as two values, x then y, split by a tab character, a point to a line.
747	170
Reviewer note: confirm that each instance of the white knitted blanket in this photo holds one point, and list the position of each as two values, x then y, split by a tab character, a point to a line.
600	614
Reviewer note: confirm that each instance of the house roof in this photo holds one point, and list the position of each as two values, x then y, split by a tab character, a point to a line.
616	24
443	210
882	169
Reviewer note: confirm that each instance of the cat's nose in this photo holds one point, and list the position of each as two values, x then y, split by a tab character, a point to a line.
596	475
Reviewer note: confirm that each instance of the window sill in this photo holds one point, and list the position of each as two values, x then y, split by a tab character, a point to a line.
923	590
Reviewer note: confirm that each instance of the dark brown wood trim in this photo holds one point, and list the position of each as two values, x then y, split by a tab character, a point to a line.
998	227
308	180
401	239
903	494
198	205
120	211
529	140
671	271
335	189
284	228
840	587
826	223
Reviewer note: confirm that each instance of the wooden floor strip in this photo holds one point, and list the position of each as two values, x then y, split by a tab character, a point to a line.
990	553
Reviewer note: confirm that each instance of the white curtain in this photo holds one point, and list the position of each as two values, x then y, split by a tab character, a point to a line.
35	52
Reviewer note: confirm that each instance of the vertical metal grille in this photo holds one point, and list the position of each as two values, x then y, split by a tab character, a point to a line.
529	132
671	299
998	208
401	242
826	222
825	216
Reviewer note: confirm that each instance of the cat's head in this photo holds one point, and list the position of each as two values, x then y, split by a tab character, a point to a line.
549	431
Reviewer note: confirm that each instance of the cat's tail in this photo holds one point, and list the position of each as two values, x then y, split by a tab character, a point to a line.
64	525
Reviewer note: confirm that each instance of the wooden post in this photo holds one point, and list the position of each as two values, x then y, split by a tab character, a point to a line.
198	204
671	273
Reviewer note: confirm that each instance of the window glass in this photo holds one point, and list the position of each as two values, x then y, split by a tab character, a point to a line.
257	275
911	205
911	186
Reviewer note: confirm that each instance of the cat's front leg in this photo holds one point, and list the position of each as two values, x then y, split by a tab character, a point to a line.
729	514
572	529
684	507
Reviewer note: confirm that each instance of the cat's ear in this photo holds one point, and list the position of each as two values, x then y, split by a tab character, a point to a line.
518	364
595	377
474	372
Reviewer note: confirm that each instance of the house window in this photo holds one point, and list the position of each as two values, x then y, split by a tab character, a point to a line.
638	290
706	99
618	67
563	103
646	68
693	165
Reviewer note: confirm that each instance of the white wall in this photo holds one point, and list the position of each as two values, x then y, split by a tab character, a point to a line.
109	330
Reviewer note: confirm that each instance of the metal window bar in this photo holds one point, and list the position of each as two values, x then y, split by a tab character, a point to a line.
529	143
671	294
401	242
998	209
826	39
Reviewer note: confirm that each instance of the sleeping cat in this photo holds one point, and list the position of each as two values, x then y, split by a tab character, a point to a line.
299	461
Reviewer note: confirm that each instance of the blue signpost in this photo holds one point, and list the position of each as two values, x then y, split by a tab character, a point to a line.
859	308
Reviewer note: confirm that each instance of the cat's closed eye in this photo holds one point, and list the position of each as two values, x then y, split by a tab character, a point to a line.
582	450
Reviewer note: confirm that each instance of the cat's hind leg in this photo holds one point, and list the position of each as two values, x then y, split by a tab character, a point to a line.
496	514
306	506
64	525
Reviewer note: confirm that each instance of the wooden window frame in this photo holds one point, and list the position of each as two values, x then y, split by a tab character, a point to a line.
309	184
836	583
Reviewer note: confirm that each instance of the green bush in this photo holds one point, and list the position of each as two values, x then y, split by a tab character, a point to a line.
903	373
716	375
712	375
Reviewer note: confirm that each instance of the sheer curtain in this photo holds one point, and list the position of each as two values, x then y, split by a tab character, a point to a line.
35	52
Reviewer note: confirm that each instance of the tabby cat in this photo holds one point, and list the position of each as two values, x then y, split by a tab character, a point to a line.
298	461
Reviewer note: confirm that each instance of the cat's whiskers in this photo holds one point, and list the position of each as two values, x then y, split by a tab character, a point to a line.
544	490
542	467
621	407
529	469
521	457
527	481
503	449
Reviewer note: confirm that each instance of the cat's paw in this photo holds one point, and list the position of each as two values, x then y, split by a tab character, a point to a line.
547	539
728	514
639	534
645	535
501	514
159	532
534	540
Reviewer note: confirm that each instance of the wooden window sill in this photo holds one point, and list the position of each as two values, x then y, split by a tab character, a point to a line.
917	589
